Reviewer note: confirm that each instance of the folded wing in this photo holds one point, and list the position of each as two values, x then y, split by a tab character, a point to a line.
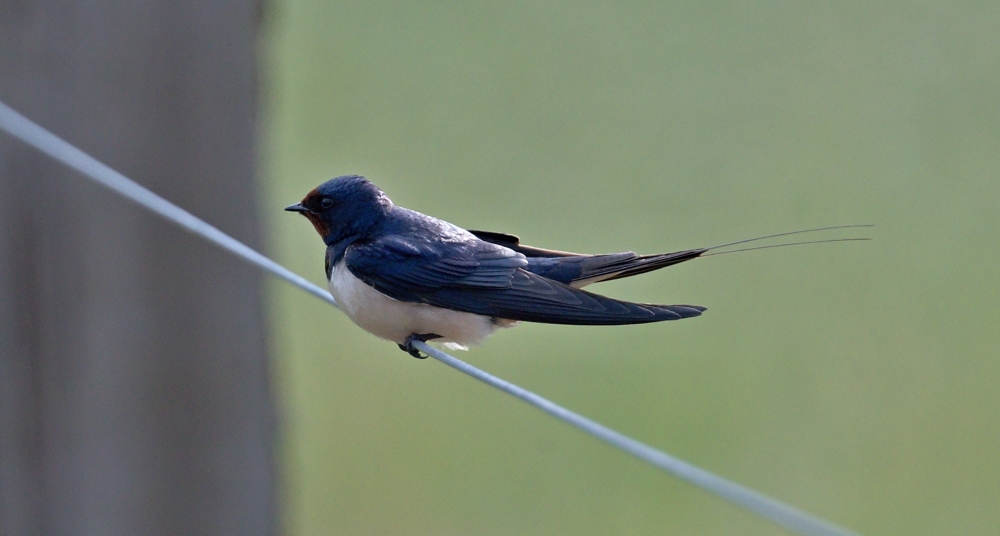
491	280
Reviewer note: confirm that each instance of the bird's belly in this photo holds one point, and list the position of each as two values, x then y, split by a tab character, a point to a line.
395	320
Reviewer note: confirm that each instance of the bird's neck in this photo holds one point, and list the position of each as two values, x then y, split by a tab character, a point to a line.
337	247
335	250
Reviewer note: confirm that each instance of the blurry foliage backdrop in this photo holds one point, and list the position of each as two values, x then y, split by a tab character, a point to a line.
857	381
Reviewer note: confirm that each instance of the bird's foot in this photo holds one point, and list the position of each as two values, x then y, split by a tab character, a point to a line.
422	337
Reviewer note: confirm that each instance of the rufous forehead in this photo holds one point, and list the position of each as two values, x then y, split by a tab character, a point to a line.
312	193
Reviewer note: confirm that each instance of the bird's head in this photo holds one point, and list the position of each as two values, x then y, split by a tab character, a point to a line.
343	207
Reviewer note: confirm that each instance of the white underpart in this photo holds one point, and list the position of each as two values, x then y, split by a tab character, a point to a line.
395	320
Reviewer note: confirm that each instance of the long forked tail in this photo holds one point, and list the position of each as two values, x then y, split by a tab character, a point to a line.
647	263
597	268
579	270
720	246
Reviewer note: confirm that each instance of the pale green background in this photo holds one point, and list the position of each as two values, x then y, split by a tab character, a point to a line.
857	381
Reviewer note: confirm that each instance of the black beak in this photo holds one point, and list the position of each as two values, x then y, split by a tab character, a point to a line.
297	207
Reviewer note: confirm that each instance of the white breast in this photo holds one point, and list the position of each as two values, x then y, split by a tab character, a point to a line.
396	320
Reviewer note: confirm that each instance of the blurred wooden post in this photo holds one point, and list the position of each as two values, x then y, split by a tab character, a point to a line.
134	394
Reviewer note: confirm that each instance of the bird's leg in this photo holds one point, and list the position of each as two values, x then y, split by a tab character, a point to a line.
422	337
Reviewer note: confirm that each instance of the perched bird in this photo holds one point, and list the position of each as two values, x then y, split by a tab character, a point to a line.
404	276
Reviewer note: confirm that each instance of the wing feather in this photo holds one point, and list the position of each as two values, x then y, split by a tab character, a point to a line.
490	280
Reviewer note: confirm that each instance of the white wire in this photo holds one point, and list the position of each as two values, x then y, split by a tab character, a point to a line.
777	511
34	135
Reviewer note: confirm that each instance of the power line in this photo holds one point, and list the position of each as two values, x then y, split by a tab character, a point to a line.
775	510
34	135
783	514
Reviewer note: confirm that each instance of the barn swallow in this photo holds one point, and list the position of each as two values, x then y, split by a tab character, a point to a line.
404	276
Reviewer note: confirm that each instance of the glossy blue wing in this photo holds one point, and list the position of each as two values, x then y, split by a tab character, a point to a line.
413	269
489	280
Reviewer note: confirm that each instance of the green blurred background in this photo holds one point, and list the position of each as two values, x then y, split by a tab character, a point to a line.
857	381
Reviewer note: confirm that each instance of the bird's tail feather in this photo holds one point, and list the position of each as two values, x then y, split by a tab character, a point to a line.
579	270
602	268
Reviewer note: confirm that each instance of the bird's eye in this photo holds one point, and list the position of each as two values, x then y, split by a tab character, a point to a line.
326	203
